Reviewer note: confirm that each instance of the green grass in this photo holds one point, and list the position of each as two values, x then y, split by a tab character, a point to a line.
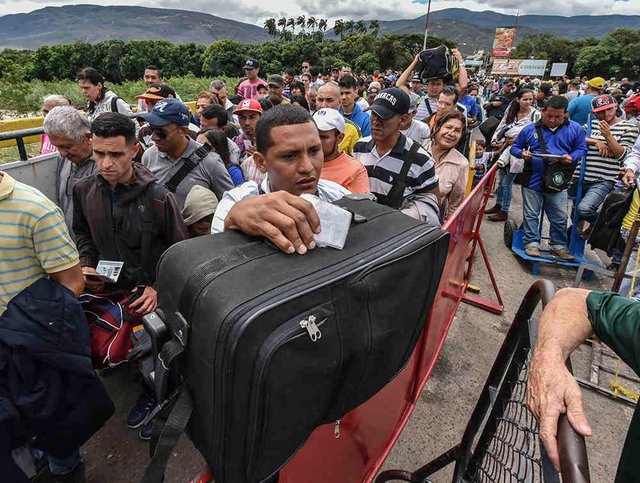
25	97
8	155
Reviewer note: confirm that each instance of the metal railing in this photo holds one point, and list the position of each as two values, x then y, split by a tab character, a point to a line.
501	441
19	136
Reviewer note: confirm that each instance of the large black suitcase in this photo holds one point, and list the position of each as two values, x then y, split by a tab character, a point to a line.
278	344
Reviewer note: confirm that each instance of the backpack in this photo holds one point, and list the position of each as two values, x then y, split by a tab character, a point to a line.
437	63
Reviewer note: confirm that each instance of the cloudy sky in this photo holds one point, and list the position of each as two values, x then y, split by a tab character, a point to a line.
255	11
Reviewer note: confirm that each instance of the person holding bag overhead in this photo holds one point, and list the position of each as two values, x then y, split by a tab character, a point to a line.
550	148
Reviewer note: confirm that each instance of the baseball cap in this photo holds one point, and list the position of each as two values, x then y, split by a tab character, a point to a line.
633	104
601	103
249	105
168	111
327	119
374	87
546	88
157	92
276	80
390	102
251	64
596	82
199	203
416	78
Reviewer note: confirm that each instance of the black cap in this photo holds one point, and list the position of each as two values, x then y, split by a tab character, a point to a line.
276	80
251	64
546	88
390	102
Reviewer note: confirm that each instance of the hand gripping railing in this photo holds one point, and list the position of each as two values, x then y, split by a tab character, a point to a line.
507	445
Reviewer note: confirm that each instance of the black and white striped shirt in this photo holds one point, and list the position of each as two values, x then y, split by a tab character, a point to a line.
383	168
600	168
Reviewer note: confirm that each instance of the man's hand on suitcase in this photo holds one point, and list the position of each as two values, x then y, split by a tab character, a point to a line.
288	221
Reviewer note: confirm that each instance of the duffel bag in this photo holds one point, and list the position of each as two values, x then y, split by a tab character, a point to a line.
273	345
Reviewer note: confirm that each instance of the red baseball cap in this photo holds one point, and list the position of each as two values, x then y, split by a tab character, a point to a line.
633	104
601	103
248	105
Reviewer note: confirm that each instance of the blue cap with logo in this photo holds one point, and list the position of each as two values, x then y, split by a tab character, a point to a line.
390	102
168	111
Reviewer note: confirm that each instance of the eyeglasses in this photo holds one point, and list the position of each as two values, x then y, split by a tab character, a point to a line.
160	132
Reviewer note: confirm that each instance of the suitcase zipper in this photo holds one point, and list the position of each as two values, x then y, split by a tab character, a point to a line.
284	335
247	314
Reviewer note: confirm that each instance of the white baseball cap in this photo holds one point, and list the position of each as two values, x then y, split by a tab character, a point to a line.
327	119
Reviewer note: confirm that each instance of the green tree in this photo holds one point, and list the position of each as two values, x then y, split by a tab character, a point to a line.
367	62
301	22
339	28
312	23
374	27
224	57
270	27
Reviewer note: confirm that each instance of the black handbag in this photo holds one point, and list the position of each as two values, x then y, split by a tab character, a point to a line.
557	175
273	345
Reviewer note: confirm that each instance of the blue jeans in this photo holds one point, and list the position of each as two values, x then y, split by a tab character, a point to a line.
59	466
555	207
593	194
505	188
625	286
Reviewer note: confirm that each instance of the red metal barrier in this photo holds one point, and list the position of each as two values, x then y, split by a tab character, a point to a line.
354	449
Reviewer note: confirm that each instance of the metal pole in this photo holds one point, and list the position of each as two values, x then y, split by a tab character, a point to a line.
426	29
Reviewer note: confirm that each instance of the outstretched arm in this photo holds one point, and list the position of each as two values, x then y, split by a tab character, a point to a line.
406	75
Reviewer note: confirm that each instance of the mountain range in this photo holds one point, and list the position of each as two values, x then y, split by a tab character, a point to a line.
90	23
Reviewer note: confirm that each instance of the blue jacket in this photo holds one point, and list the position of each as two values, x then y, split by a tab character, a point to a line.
48	387
359	117
569	138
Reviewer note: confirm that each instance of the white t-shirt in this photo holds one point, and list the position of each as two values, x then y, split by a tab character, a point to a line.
327	191
418	131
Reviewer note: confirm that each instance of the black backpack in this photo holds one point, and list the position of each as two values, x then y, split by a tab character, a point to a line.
264	347
437	63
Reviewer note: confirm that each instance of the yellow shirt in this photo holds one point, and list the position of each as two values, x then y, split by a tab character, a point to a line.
34	239
351	135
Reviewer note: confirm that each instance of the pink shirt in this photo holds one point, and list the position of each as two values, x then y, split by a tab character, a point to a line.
45	145
248	89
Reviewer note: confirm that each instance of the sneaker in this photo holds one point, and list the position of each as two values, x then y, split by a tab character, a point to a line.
494	209
533	251
144	404
562	253
500	216
146	431
78	475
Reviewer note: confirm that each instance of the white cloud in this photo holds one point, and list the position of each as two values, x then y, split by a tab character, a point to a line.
255	11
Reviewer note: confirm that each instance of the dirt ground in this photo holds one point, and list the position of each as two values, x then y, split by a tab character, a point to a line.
116	454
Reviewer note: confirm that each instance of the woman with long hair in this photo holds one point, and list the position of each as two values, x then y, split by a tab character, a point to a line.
220	144
519	114
99	98
452	166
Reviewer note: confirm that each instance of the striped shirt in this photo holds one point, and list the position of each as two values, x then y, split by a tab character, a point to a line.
34	239
600	168
383	168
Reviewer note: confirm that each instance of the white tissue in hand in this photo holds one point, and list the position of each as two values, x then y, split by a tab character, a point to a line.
334	222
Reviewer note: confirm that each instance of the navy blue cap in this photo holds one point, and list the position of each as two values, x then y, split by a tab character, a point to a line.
390	102
168	111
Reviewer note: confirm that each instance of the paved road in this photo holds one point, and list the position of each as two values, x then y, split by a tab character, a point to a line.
116	455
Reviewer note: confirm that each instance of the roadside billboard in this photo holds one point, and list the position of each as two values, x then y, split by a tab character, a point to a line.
503	42
558	69
513	67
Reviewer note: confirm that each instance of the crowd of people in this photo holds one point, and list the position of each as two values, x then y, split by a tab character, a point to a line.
130	184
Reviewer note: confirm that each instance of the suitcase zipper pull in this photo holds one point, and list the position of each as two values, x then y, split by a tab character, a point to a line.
310	325
336	429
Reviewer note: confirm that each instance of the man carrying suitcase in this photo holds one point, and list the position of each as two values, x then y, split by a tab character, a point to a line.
289	150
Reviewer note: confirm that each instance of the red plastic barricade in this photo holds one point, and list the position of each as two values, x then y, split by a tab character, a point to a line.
354	448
